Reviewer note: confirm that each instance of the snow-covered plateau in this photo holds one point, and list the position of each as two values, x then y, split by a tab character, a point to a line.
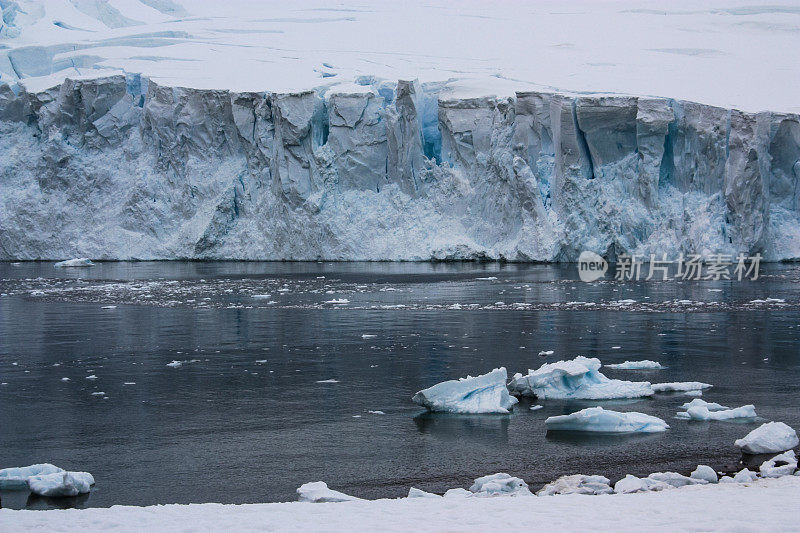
152	130
769	504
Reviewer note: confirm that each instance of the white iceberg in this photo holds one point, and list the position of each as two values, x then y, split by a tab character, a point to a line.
701	412
579	378
79	262
772	437
781	465
577	484
476	395
500	484
704	472
61	484
636	365
631	483
418	493
17	478
597	419
318	492
745	476
711	406
681	386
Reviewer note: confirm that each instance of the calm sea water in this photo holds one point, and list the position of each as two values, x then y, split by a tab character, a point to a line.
244	418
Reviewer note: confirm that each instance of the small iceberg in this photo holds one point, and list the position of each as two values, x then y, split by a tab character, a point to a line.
711	406
599	420
318	492
577	484
17	478
61	484
681	386
636	365
704	472
484	394
500	484
781	465
772	437
79	262
745	476
701	412
578	379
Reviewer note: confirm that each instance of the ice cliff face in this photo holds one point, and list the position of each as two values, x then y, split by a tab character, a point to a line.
123	168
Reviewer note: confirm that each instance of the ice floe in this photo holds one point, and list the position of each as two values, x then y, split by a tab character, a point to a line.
577	484
579	378
781	465
711	406
771	437
704	472
597	419
636	365
500	484
481	394
701	412
680	386
16	478
318	492
61	484
79	262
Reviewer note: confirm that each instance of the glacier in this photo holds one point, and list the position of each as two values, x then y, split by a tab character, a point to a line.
122	167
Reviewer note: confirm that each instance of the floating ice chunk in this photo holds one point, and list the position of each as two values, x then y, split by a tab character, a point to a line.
597	419
546	352
772	437
631	483
680	386
457	493
781	465
675	479
108	307
500	484
318	492
79	262
417	493
338	301
98	394
328	381
701	412
490	278
17	478
64	379
477	395
368	336
376	412
696	393
536	407
92	377
175	364
577	484
745	476
636	365
703	472
711	406
579	378
61	484
261	296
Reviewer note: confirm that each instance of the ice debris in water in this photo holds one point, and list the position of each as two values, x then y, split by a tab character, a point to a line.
704	472
579	378
79	262
17	478
318	492
61	484
772	437
711	406
781	465
701	412
500	484
636	365
477	395
680	386
597	419
577	484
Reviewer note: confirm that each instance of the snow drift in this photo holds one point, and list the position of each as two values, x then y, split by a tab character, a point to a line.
122	167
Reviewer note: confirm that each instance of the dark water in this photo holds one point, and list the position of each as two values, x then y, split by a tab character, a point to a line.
228	428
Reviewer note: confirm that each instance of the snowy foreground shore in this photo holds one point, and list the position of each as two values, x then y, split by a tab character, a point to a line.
772	504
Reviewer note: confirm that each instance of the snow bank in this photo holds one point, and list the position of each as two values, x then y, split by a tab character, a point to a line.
680	386
61	484
17	478
701	412
318	492
577	484
636	365
80	262
500	484
597	419
772	437
579	378
781	465
477	395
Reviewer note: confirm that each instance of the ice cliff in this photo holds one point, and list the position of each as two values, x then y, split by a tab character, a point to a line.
123	168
